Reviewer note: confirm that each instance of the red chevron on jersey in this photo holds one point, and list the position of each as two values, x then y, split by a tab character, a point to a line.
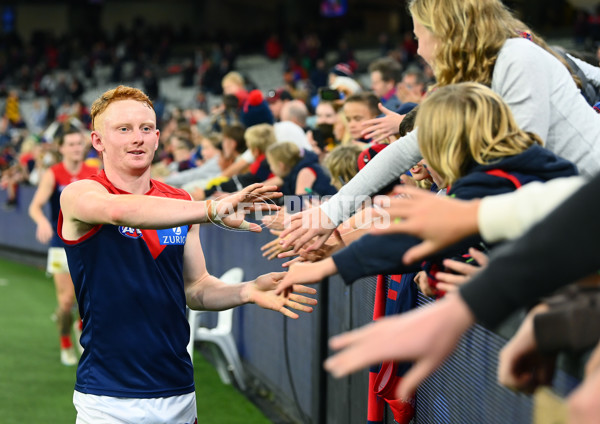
151	239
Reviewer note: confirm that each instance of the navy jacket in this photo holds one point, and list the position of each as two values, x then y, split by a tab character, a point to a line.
322	185
372	255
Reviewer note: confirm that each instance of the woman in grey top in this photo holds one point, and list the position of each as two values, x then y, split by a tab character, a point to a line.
473	40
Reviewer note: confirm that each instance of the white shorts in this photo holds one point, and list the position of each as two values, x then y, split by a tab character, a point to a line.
57	261
92	409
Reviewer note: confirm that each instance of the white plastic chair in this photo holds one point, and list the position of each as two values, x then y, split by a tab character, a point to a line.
221	336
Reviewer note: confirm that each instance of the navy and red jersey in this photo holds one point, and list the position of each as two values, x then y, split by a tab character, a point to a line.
260	169
130	290
62	178
321	186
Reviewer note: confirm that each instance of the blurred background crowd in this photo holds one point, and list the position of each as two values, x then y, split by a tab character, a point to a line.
199	76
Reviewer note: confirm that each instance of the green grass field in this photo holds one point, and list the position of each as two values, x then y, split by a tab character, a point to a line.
36	387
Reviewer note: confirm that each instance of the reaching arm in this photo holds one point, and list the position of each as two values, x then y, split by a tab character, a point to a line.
87	203
441	221
381	128
371	255
203	291
384	168
380	171
45	188
507	216
591	72
538	263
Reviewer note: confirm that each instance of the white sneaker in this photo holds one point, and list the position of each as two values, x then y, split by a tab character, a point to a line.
77	332
68	357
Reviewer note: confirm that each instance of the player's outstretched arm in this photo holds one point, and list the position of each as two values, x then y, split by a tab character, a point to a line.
206	292
262	292
87	203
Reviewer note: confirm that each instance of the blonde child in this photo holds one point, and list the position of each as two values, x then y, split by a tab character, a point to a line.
299	169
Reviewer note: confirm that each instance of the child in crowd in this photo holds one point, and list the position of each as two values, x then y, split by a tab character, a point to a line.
342	163
206	158
300	170
182	154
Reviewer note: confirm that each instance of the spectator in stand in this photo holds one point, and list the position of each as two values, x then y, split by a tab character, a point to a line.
12	110
208	168
276	99
211	77
412	87
300	171
357	109
318	76
233	83
409	47
341	163
295	111
76	89
329	128
594	24
233	145
340	70
346	86
228	113
150	84
255	110
181	149
258	139
346	54
385	73
188	73
273	47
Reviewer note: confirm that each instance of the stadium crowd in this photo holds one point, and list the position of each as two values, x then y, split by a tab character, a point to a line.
446	120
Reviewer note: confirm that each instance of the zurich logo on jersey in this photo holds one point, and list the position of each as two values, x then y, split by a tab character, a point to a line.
172	236
130	232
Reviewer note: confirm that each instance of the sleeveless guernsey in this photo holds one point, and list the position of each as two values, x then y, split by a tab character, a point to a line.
129	287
